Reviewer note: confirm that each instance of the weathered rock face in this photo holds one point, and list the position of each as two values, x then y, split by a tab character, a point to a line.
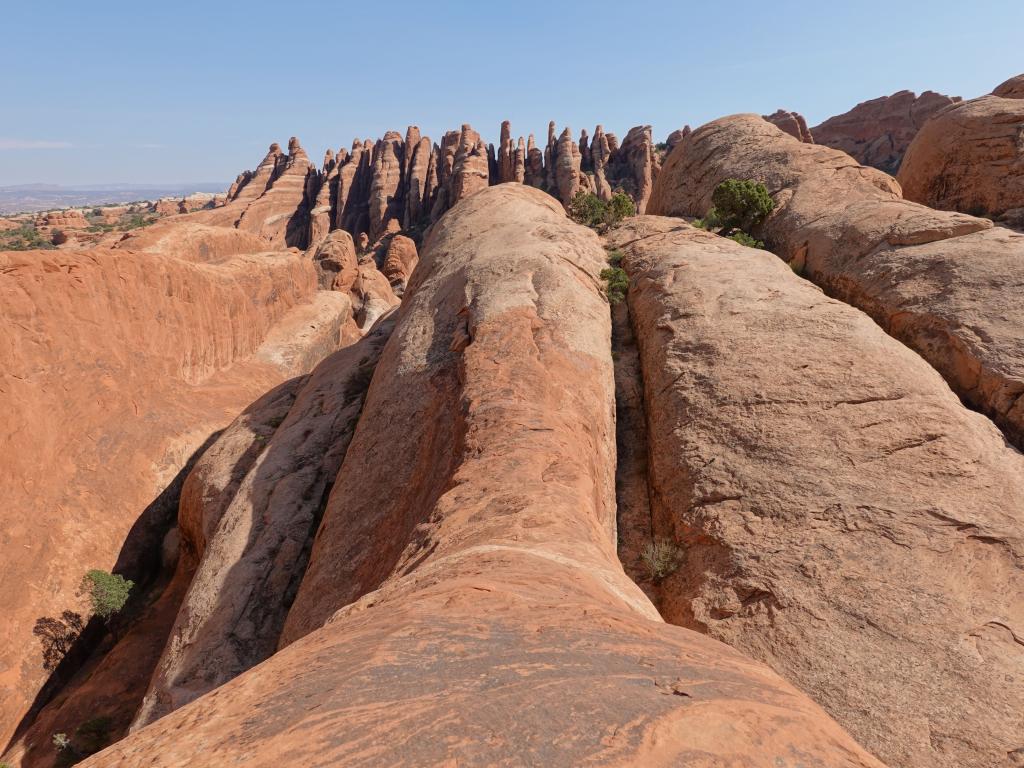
484	551
339	268
969	157
839	514
69	219
118	364
937	281
252	532
878	132
387	175
1011	89
792	123
399	262
631	166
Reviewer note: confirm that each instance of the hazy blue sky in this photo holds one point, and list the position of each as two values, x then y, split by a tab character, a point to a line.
184	91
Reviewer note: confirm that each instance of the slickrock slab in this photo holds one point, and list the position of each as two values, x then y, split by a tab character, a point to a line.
474	516
969	157
255	546
841	516
943	283
117	366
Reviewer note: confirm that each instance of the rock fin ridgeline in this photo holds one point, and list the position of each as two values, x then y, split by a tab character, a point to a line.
472	524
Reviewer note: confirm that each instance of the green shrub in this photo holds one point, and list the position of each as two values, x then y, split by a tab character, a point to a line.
107	591
615	257
744	239
661	559
615	283
741	204
589	210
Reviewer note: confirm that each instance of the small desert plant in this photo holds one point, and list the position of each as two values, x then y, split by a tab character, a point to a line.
661	558
107	591
589	210
741	204
616	283
61	741
58	237
615	257
744	239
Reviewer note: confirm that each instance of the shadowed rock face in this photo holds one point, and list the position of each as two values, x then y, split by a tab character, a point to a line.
840	515
969	157
118	365
939	282
878	132
252	533
463	600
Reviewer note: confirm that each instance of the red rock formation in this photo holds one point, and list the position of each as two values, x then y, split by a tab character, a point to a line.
969	157
384	184
838	513
631	165
878	132
937	281
326	199
399	262
568	173
495	624
71	218
251	536
534	172
118	364
675	137
792	123
600	154
1011	89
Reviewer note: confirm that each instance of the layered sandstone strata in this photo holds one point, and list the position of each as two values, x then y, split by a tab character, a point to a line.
878	132
838	513
939	282
463	601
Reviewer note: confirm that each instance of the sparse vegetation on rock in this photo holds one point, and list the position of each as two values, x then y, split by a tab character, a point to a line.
589	210
740	204
661	558
108	592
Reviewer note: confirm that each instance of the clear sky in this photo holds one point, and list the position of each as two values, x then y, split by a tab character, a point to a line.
187	91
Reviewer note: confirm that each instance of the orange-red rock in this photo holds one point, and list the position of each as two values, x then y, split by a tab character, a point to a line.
838	513
1011	89
495	624
399	262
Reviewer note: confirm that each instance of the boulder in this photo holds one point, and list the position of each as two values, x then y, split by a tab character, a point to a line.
832	508
792	123
969	157
939	282
1011	89
399	262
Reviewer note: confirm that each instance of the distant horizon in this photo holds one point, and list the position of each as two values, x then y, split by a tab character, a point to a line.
115	102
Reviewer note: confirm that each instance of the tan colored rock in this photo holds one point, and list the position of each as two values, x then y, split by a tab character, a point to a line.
534	171
326	200
253	541
969	157
384	186
568	172
418	194
72	218
399	262
519	162
840	515
600	155
878	132
1011	89
675	137
250	185
495	625
792	123
937	281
